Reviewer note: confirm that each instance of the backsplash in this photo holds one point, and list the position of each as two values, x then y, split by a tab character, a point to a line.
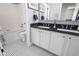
60	22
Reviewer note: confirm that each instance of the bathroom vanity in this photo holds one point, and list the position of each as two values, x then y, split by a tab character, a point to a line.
60	40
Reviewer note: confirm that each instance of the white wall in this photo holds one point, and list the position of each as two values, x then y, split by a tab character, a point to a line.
30	15
22	16
46	11
28	21
9	17
55	10
12	16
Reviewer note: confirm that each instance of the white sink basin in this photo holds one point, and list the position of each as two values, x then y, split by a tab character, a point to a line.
43	27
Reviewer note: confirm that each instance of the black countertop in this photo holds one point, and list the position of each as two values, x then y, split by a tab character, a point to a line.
55	30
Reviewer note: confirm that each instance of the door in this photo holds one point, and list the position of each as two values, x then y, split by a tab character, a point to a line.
45	37
56	43
35	36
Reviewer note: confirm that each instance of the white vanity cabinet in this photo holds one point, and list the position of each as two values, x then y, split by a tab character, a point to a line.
72	48
57	43
40	37
49	40
35	35
44	39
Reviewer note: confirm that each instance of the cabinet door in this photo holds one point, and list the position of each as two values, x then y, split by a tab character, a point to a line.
73	46
35	36
45	37
56	43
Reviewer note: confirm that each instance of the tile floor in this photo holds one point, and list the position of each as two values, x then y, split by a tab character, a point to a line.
18	48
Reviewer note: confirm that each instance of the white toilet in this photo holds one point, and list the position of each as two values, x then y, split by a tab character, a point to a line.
23	36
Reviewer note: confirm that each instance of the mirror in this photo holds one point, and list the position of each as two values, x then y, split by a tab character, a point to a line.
61	11
67	11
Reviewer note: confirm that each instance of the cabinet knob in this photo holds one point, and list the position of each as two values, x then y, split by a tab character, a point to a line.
63	36
69	37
